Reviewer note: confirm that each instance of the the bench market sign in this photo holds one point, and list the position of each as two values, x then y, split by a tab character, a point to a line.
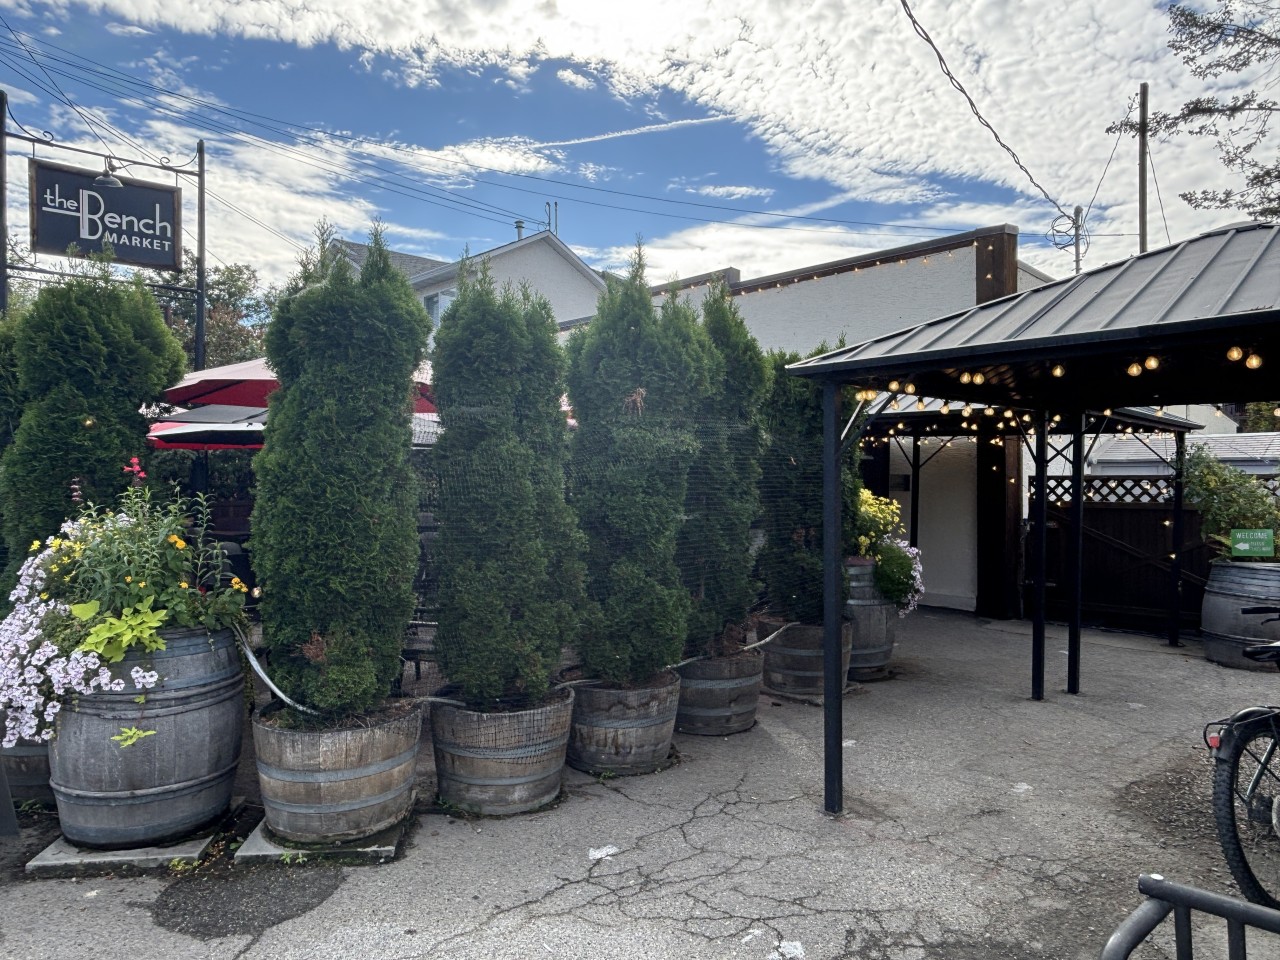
141	221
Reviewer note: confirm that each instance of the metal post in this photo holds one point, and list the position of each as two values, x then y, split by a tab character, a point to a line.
833	678
1142	168
8	819
200	249
1075	556
4	199
1077	217
914	539
1039	531
1175	562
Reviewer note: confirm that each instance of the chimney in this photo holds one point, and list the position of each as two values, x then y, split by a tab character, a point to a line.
519	229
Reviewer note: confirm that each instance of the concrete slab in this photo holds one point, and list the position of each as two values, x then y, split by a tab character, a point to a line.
261	847
63	859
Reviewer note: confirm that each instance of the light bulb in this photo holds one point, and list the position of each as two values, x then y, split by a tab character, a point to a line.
909	388
1234	353
978	378
893	404
967	410
920	404
966	376
946	408
1135	369
988	411
1058	370
894	386
1151	362
1253	361
1106	412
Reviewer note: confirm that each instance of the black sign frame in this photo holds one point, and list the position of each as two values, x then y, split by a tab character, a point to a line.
59	193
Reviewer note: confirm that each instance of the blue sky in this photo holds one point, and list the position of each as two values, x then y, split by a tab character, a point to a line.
754	134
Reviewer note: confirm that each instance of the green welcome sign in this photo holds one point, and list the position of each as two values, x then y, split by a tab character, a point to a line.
1253	543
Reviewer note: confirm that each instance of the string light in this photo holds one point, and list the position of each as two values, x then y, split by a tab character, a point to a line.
966	376
967	410
1152	362
1135	369
946	407
1058	370
909	388
920	404
978	378
894	386
989	411
893	404
1253	361
1234	353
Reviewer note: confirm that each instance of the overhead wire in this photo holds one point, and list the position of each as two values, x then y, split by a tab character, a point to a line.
266	123
1159	199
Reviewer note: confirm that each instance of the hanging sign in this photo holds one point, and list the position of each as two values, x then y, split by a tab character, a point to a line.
141	221
1253	543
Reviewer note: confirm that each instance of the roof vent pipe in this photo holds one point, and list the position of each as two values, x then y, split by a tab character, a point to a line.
519	229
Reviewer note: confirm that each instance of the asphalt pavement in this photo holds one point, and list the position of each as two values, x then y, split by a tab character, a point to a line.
977	823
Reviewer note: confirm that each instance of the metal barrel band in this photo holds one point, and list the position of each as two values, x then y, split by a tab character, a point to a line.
626	724
687	684
344	807
504	781
337	776
115	798
503	753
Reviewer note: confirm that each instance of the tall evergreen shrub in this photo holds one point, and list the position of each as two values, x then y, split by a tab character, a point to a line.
723	497
791	559
334	524
508	551
84	358
637	378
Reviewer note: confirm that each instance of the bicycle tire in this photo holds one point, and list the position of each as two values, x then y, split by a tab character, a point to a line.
1244	816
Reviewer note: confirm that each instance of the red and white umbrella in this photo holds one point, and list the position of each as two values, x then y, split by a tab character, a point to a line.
250	382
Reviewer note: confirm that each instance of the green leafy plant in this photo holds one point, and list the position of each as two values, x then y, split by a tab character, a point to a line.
128	736
637	378
334	524
723	499
509	550
791	559
1227	498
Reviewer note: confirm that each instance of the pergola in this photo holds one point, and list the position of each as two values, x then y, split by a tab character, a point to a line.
1195	322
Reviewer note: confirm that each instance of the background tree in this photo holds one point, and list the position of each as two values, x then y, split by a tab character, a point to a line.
236	314
509	576
723	498
1231	40
334	530
1260	417
88	353
637	378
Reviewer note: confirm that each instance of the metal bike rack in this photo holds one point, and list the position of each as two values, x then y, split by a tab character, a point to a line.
1165	897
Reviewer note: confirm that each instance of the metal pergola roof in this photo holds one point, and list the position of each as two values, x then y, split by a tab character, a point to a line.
1176	312
1194	322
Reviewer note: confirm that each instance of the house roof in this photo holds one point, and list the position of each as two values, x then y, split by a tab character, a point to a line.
1237	449
1073	344
446	271
407	263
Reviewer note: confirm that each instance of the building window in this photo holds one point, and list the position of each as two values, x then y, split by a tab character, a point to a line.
437	303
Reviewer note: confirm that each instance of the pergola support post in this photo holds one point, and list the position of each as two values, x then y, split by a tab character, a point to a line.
1175	564
1039	538
1075	556
833	678
914	536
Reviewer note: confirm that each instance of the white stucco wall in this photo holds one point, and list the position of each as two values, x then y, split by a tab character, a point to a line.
948	522
571	293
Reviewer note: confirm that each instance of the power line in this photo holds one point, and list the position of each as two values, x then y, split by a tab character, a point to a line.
946	70
1159	199
258	120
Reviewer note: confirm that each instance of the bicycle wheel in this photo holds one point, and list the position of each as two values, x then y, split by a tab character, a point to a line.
1246	784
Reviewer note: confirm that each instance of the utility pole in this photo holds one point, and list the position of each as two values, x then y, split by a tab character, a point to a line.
1142	168
1077	216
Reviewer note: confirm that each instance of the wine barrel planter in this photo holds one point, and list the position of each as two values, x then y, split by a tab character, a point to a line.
502	762
718	696
168	784
793	660
875	624
1223	628
26	765
624	732
331	786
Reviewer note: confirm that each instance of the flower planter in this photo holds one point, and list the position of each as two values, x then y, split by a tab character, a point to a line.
26	765
168	784
1224	629
718	696
624	732
793	661
875	624
332	786
501	763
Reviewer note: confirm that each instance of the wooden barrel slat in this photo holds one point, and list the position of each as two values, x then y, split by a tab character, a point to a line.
875	624
332	786
26	765
718	696
623	732
1224	629
166	785
501	763
789	668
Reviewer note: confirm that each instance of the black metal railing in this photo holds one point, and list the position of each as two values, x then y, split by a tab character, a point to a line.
1165	897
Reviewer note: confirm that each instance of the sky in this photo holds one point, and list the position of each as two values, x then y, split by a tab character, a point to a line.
757	134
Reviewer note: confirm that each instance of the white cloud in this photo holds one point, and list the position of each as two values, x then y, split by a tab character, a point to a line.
726	192
127	30
576	80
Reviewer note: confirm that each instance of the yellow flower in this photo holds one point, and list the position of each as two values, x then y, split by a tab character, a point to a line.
183	584
180	544
44	596
128	579
142	583
35	544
